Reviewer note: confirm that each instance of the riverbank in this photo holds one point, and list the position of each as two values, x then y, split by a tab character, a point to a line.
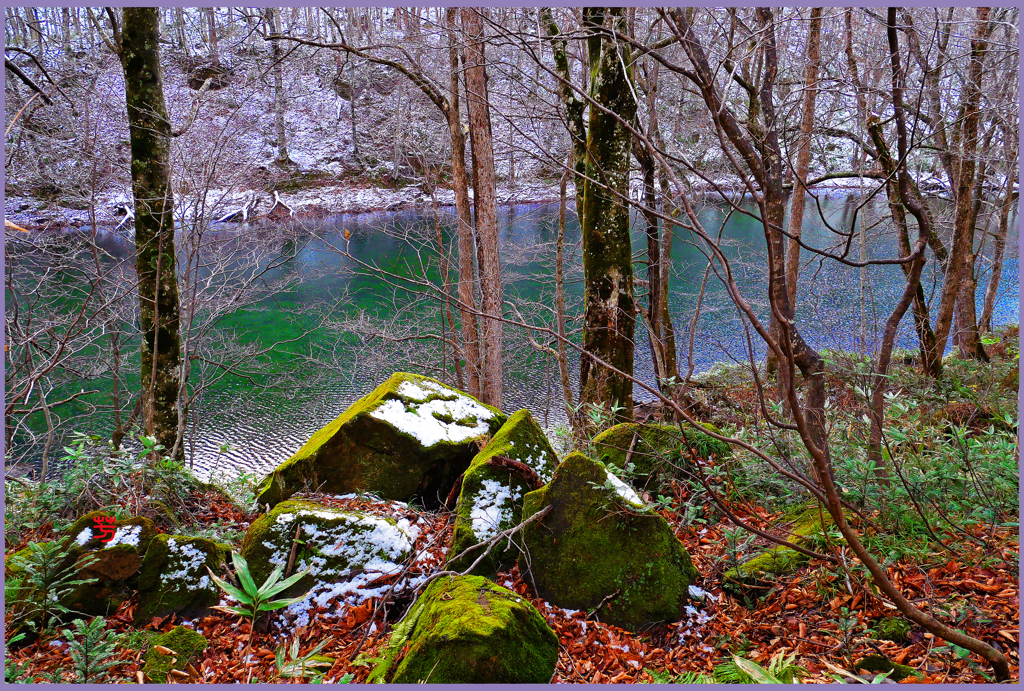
945	438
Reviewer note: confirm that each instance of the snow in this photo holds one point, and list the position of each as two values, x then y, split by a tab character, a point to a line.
697	593
84	537
492	506
125	535
191	562
624	490
422	421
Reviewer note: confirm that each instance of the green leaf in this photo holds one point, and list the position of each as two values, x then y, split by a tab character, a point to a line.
754	671
242	569
278	604
232	610
286	583
273	578
231	590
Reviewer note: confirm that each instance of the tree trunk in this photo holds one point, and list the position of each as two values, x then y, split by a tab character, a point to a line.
609	318
211	26
803	156
963	230
485	205
150	133
467	249
985	322
274	20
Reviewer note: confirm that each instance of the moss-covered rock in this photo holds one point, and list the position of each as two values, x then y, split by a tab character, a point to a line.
656	449
334	544
759	573
601	548
876	664
186	645
492	491
410	438
468	630
174	577
895	629
115	564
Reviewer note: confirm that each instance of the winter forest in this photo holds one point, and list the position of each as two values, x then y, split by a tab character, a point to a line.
511	345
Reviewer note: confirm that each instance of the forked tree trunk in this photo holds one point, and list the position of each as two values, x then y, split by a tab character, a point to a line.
609	318
150	133
485	205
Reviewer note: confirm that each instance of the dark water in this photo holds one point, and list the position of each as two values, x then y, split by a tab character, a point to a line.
328	329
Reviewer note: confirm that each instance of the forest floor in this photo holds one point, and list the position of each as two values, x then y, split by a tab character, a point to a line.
822	615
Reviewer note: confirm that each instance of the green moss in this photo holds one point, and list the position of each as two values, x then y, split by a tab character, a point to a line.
174	577
186	644
895	629
760	572
332	542
596	549
876	664
658	450
520	439
468	630
359	452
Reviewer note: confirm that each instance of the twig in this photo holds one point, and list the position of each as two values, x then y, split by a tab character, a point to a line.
295	544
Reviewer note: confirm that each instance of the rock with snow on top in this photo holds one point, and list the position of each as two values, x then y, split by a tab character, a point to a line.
174	577
410	438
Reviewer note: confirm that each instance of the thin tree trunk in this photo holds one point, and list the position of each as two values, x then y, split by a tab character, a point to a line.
485	205
985	322
467	249
803	156
274	20
150	132
211	27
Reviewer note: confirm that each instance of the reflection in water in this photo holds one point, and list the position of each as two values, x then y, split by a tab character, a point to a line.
344	329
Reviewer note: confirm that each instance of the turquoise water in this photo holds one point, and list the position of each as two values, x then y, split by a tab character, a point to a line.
333	328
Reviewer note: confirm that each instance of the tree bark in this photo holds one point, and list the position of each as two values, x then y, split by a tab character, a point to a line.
963	230
485	205
274	20
150	132
211	27
609	317
803	156
467	250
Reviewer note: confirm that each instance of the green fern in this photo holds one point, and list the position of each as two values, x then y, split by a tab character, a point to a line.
92	650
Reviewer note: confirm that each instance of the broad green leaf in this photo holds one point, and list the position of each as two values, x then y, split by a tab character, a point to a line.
755	671
231	590
278	604
242	569
272	579
286	583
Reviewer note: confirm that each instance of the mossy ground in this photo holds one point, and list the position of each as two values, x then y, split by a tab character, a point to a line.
186	644
359	452
468	630
596	550
520	439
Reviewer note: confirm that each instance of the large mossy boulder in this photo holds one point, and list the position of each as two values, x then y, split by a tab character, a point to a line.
518	459
600	547
410	438
334	544
655	450
185	646
115	564
174	577
758	574
468	630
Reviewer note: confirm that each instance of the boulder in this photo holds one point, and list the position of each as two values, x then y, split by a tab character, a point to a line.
410	438
758	574
186	645
174	577
116	566
334	544
468	630
876	664
600	547
218	75
518	459
657	450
